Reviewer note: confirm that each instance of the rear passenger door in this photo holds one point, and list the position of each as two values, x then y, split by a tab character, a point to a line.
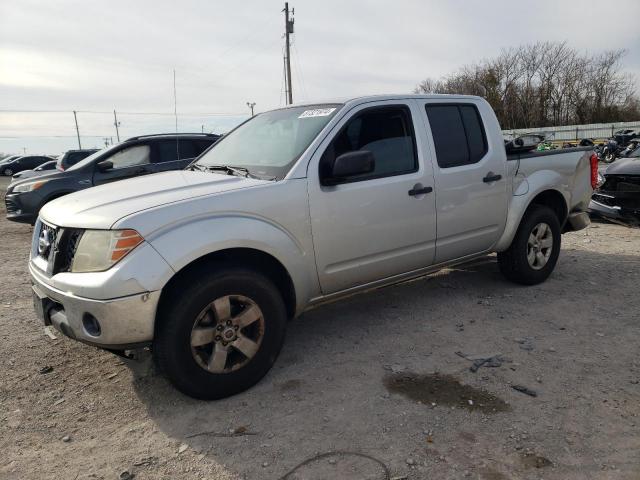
176	155
470	183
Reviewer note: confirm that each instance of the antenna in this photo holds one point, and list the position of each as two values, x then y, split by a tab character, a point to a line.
175	113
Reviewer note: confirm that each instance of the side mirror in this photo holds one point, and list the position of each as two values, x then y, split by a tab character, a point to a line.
104	166
350	164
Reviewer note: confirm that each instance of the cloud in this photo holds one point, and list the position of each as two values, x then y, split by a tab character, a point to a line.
81	55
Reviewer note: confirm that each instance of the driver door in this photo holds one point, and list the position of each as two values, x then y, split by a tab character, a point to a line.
383	223
129	162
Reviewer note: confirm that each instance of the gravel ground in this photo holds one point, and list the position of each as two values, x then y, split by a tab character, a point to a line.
368	388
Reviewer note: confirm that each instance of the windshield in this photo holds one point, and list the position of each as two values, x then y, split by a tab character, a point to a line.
90	158
268	144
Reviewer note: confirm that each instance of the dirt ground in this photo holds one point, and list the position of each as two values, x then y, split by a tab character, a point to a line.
368	388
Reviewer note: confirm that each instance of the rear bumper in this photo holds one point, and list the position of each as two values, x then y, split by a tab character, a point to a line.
124	322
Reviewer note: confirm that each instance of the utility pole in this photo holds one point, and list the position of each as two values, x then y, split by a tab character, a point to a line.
288	29
116	123
251	105
75	117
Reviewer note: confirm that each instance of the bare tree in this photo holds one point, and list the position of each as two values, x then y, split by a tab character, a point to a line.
547	83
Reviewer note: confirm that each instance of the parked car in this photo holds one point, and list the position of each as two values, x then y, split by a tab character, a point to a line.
618	198
71	157
45	168
293	208
623	137
131	158
25	162
9	158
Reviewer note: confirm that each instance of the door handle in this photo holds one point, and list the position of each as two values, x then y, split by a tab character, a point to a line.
491	177
420	191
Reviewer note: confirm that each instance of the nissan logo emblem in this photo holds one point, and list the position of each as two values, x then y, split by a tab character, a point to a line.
44	243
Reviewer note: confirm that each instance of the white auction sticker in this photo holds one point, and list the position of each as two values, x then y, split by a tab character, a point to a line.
318	112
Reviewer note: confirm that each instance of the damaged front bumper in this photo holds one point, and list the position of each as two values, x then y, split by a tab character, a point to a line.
115	324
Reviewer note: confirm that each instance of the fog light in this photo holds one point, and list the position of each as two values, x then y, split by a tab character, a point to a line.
91	325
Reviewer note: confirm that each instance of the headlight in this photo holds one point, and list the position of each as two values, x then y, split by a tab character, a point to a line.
601	180
28	187
99	250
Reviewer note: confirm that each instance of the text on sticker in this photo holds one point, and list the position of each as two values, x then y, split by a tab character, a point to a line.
317	112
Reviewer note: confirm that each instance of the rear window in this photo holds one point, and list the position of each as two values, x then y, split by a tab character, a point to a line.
458	134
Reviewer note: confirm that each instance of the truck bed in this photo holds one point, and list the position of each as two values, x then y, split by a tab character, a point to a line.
545	153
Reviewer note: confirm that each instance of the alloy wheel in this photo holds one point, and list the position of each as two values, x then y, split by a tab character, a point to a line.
227	334
539	246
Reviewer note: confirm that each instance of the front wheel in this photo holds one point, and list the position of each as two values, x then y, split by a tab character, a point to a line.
221	332
534	251
7	172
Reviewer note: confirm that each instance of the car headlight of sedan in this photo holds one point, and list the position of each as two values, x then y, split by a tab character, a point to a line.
99	250
29	186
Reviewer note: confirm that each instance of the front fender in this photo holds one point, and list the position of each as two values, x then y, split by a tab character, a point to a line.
237	230
537	183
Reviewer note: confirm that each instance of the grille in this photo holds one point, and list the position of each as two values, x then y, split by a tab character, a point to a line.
63	245
67	250
11	206
605	199
51	236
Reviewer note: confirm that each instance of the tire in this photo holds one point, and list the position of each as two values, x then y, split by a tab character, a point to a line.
609	158
193	317
7	172
516	262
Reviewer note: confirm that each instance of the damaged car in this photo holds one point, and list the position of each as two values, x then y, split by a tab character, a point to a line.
618	198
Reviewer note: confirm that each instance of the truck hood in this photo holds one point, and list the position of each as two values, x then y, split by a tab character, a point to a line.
100	207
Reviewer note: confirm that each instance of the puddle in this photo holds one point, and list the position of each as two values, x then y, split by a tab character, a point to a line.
535	461
290	385
444	390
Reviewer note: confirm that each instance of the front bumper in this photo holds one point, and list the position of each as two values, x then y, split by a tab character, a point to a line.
124	322
22	207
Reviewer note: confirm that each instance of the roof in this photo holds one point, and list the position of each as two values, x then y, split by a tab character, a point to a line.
179	134
378	98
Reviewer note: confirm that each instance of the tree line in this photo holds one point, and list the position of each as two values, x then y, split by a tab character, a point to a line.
547	84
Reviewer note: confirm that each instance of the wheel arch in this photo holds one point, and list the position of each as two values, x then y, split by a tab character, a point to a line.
251	258
520	205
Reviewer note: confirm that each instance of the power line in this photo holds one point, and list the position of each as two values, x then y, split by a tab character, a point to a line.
188	114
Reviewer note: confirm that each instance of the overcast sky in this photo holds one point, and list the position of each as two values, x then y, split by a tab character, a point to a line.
95	56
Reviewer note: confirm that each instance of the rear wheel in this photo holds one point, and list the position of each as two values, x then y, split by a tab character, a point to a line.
534	251
221	333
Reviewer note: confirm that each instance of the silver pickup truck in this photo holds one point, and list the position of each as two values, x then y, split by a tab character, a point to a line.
295	207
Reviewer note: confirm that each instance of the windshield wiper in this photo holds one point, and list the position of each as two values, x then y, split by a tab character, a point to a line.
241	171
195	166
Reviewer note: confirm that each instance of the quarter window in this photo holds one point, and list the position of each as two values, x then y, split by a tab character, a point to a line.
458	134
387	132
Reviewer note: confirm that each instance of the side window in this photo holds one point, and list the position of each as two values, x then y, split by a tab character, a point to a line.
458	134
75	157
188	149
167	150
137	155
387	132
33	162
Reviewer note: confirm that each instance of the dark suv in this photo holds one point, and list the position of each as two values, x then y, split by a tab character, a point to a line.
25	162
131	158
71	157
